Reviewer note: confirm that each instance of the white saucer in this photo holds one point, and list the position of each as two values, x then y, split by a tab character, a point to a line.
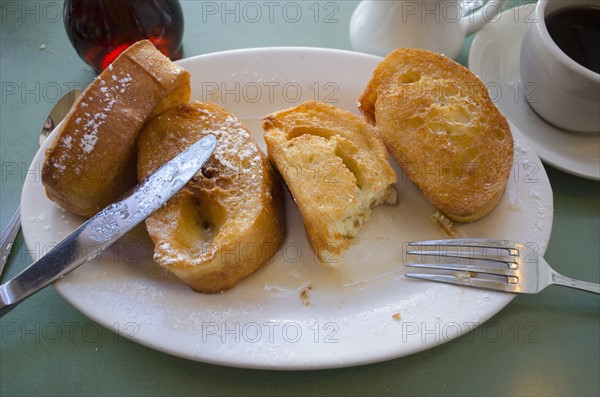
494	57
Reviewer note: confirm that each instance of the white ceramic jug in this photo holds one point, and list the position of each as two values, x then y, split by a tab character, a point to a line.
380	26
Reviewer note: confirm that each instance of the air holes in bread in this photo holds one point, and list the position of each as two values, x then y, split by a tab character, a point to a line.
409	77
346	155
310	130
208	172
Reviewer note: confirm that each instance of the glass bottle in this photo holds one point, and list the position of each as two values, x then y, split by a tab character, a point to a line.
101	29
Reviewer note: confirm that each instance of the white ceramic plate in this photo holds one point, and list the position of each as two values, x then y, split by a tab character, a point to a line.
494	57
366	312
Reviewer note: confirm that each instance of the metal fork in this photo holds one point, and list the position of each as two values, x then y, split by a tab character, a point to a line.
491	264
58	112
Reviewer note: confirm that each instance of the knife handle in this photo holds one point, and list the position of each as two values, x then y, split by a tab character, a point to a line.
8	238
60	260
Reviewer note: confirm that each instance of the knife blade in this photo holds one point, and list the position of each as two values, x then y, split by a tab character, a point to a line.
108	225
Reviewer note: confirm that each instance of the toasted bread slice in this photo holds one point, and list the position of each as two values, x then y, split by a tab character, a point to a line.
336	169
227	221
440	125
92	160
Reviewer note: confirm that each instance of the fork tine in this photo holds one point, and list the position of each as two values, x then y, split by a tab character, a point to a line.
469	242
477	249
469	282
498	271
469	255
478	242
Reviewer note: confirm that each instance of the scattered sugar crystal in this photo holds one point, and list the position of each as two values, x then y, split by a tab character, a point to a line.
88	141
534	194
38	219
59	166
125	80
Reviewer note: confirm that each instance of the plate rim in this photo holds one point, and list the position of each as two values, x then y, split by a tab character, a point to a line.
391	354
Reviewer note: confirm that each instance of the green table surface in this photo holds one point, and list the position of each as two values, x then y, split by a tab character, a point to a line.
548	344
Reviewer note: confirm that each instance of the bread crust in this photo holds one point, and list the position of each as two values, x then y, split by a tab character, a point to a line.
228	220
91	163
336	169
440	125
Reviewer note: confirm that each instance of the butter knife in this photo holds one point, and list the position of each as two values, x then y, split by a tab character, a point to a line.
108	225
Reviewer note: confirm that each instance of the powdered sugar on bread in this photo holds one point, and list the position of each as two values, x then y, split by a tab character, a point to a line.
228	221
91	162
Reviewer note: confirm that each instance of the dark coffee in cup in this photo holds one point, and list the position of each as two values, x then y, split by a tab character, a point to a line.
558	54
576	31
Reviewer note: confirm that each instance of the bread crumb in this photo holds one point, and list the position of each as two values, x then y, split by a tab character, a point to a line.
445	225
464	275
304	295
396	316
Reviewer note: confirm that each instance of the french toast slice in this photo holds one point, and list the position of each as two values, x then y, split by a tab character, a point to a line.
336	169
440	125
91	162
228	220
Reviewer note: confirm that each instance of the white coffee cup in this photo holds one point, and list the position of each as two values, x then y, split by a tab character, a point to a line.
380	26
566	93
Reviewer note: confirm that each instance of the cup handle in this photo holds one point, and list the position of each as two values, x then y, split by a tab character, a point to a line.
478	17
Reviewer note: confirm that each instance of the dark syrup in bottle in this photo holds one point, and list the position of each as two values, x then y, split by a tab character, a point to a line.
101	29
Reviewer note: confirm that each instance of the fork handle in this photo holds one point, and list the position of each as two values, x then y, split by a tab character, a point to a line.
8	238
565	281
